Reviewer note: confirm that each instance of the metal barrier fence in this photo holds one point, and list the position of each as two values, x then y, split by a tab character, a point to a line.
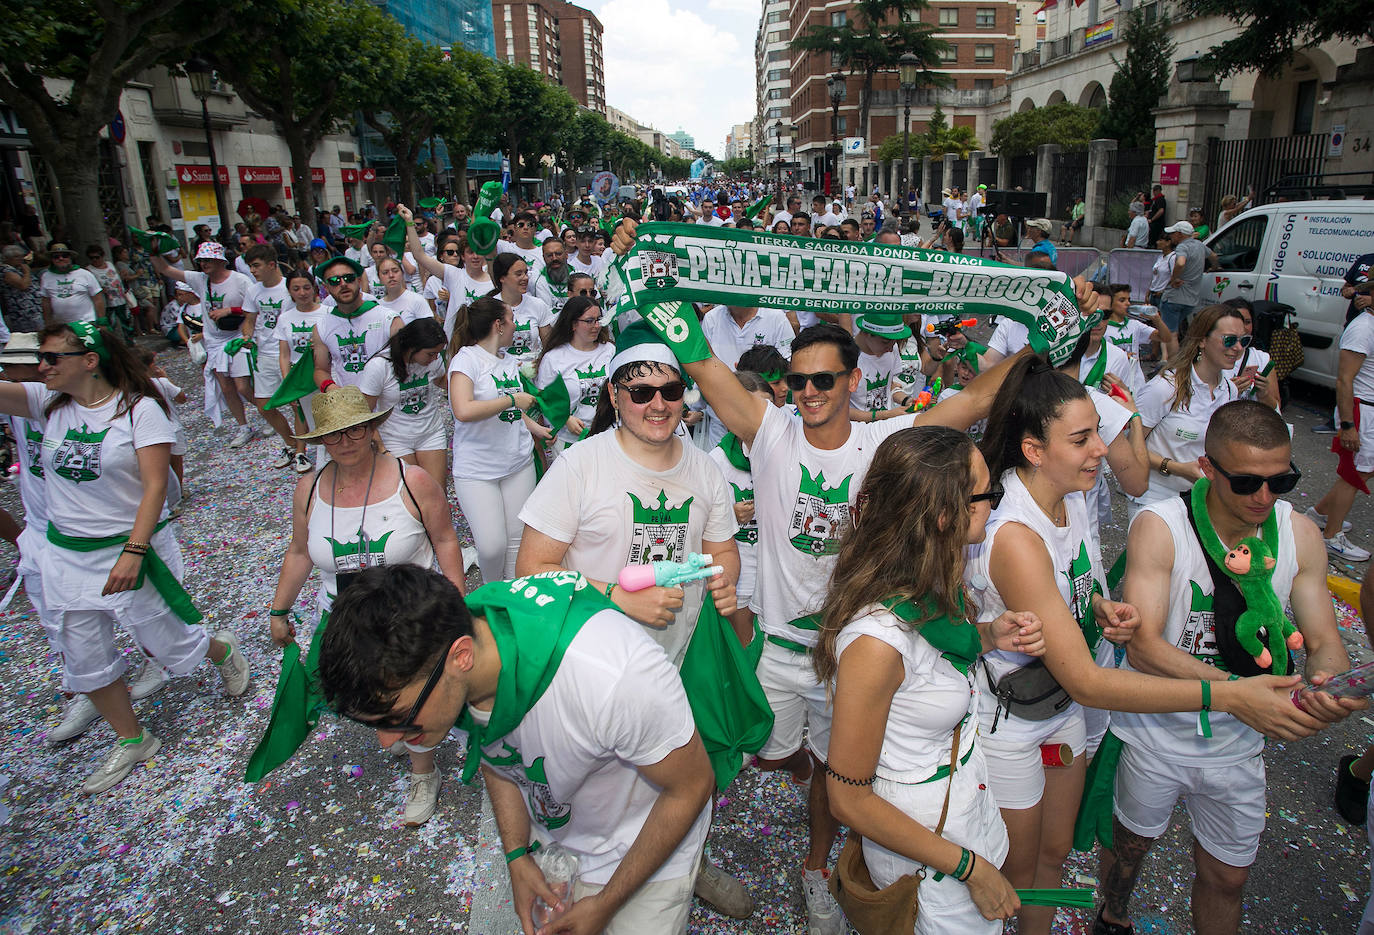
1132	267
1072	260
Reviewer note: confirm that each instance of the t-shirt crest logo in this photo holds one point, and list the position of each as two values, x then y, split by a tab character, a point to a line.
521	341
413	396
300	336
213	300
660	532
534	782
352	352
759	339
1199	637
821	515
268	312
33	447
1084	585
658	270
589	383
359	554
77	457
749	532
507	385
875	391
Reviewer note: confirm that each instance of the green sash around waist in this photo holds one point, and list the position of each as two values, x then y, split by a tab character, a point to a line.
156	570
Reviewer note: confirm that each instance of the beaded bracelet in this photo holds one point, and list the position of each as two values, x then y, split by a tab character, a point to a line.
846	780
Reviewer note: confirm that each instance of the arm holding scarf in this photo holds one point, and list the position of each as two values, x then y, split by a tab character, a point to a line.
153	461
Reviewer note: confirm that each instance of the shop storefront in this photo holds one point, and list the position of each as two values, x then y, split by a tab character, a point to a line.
195	201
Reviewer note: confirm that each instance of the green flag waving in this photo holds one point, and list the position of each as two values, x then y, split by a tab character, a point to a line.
357	230
432	202
298	383
553	400
153	241
757	207
395	236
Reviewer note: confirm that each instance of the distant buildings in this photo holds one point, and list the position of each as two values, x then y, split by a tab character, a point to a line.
559	40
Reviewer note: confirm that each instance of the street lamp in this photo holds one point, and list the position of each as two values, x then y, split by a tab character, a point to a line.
777	137
202	77
908	70
835	84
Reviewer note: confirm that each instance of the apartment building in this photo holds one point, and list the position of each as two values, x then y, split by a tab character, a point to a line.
559	40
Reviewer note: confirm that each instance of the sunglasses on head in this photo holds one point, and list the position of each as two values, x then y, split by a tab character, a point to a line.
993	495
823	381
1231	340
671	392
52	357
1245	484
342	277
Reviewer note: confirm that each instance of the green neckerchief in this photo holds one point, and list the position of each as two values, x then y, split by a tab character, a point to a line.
1207	535
533	620
734	452
153	567
958	642
1099	367
1121	340
249	346
296	706
367	306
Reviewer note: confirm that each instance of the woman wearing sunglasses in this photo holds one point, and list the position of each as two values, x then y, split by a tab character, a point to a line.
493	456
1178	402
361	510
533	316
578	352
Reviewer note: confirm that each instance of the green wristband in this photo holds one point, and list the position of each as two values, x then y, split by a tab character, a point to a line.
528	849
279	613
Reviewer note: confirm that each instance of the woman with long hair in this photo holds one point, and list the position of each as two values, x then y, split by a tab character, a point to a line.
1178	402
533	317
364	508
396	297
577	352
436	293
897	650
114	558
405	377
295	325
493	456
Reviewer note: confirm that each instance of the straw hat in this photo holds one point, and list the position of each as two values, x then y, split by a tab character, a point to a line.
341	408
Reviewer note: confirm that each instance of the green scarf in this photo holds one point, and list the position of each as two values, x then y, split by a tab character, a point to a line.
154	242
757	207
153	568
734	452
296	707
298	383
533	620
366	306
1099	368
957	641
247	345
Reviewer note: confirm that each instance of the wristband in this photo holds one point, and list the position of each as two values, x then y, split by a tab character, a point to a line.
1164	466
1134	415
972	862
274	612
965	859
527	850
609	588
324	387
139	552
511	397
1204	724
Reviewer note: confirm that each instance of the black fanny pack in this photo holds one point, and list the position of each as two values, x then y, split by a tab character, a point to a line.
1030	692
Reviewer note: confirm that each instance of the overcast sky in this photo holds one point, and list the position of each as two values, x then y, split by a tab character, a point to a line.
681	63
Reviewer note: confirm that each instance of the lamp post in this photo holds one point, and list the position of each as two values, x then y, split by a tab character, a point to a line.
908	70
835	84
202	77
777	141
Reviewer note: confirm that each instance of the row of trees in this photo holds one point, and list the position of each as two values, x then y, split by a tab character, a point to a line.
308	66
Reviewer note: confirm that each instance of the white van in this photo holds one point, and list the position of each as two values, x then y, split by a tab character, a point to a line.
1297	253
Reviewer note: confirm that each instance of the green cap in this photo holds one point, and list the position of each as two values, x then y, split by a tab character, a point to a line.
348	261
892	330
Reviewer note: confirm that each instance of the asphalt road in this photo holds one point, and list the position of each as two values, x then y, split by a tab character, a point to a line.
184	845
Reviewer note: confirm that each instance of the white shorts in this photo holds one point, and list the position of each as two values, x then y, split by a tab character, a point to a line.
1225	803
435	438
1364	458
798	701
658	908
267	378
1016	773
217	361
748	572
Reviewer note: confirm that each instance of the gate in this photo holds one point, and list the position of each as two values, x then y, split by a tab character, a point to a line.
987	171
959	176
937	181
1068	177
1023	172
1235	166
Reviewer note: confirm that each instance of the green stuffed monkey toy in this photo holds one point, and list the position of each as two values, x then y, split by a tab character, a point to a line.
1252	567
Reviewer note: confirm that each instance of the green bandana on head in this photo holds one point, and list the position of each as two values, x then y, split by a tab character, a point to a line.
91	339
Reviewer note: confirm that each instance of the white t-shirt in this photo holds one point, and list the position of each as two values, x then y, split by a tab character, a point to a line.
875	390
499	446
360	256
351	341
533	256
552	294
1177	434
593	267
1161	272
1129	334
32	491
614	704
427	242
462	290
531	314
1008	337
170	391
269	302
583	373
416	403
1359	338
231	293
802	499
1254	357
71	294
294	328
90	466
1118	363
780	216
375	288
410	306
614	512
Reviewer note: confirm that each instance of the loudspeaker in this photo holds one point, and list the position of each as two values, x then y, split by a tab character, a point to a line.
1016	204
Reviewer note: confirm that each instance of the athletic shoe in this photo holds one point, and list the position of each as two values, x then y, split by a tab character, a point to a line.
1102	927
722	892
284	458
242	437
1320	520
79	715
303	464
1352	793
422	797
233	669
1326	428
822	912
151	680
1341	547
124	757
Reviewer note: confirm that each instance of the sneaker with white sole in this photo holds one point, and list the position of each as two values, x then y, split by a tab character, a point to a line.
1341	547
722	892
79	715
151	680
422	797
823	916
285	457
124	757
1320	520
303	464
233	669
242	437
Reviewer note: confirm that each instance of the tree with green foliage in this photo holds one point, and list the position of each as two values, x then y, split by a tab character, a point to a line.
1140	81
1270	32
532	114
579	143
891	149
286	64
1069	125
470	124
66	63
875	34
740	165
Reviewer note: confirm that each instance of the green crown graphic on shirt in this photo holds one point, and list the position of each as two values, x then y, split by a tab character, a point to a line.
268	313
589	381
660	532
352	351
509	384
78	455
413	396
522	340
821	514
300	335
348	556
1199	637
1084	585
33	446
533	780
213	300
749	532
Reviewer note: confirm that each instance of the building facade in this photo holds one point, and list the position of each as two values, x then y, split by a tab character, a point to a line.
773	153
558	40
739	142
445	23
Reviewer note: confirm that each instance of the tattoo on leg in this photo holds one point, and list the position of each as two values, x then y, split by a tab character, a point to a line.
1130	850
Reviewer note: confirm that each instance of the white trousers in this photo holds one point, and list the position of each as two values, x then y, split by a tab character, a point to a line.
492	508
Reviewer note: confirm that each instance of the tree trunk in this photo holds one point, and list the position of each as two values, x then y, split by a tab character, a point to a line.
460	173
75	166
304	190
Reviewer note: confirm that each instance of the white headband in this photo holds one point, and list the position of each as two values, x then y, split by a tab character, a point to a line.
648	351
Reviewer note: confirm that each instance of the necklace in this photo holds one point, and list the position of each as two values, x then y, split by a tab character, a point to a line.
362	520
102	401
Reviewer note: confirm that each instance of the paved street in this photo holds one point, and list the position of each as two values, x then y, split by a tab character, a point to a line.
184	845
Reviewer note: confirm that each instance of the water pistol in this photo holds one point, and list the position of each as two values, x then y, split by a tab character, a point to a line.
668	574
927	397
949	326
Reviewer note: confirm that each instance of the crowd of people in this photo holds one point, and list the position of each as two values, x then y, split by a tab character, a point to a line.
904	528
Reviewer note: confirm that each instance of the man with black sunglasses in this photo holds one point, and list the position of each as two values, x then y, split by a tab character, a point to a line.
352	330
1177	579
525	225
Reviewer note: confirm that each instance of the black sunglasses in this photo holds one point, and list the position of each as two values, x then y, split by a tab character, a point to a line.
407	725
671	392
1245	484
993	495
823	381
52	357
450	253
342	277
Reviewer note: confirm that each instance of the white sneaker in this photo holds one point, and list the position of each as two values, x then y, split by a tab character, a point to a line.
1320	520
124	757
422	797
233	671
242	437
303	464
284	458
151	680
1341	547
823	916
79	715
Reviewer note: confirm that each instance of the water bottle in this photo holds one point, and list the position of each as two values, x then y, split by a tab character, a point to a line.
560	868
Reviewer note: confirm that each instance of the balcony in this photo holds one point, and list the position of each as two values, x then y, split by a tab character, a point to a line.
945	97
